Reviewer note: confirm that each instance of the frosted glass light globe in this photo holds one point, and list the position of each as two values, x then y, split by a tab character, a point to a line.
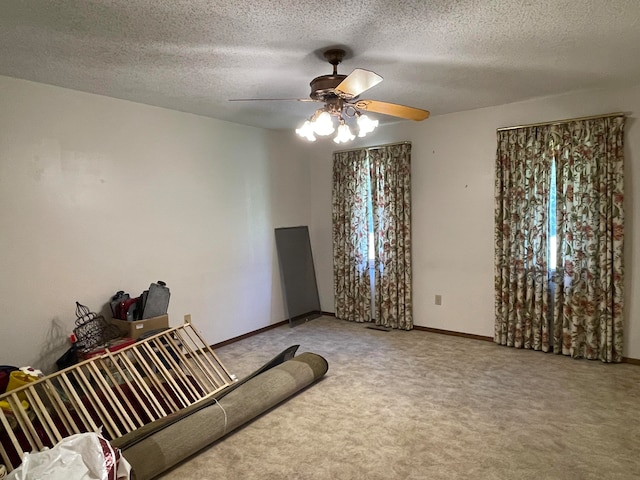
344	134
323	125
366	125
306	131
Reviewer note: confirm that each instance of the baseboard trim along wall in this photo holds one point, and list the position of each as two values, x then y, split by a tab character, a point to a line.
250	334
455	334
260	330
633	361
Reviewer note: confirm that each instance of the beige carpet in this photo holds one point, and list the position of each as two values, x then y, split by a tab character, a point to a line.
417	405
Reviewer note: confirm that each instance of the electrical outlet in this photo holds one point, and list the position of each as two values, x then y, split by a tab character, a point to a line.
438	299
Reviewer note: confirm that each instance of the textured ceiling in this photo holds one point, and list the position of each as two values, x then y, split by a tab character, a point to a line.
441	55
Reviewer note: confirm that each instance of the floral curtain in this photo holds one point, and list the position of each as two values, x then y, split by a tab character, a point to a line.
523	166
583	317
391	199
588	301
375	183
350	236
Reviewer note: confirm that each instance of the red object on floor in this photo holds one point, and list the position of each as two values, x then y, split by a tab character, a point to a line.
113	346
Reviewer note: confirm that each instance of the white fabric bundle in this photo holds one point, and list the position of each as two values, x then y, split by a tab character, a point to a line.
85	456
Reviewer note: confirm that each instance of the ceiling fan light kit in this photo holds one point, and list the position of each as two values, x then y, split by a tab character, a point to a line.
321	124
340	95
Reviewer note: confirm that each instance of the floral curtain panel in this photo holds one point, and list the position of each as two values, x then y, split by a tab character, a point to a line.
379	179
350	236
589	299
583	317
523	169
391	198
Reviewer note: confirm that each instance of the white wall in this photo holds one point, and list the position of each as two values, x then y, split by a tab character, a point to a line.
99	194
453	200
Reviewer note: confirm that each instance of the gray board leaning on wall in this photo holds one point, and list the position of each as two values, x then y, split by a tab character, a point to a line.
297	273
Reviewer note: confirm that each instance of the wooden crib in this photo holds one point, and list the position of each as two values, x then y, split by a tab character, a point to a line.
116	392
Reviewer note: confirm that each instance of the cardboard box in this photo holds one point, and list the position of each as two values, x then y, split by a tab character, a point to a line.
137	328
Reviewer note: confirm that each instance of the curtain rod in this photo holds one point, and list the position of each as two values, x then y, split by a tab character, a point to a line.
560	122
373	148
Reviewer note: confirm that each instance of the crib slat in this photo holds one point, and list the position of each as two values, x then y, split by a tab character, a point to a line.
25	423
177	369
186	365
142	384
107	370
72	395
12	438
113	400
3	453
59	406
227	375
203	374
43	415
196	356
133	387
163	372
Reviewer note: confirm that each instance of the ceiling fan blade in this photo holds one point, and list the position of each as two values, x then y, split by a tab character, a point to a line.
357	82
392	109
271	99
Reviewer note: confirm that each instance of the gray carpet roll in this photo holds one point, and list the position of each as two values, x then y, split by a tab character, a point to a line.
163	444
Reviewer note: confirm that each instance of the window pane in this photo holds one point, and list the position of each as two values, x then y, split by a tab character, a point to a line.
552	217
372	248
372	254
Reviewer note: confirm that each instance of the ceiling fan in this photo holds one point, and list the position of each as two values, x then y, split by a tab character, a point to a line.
340	95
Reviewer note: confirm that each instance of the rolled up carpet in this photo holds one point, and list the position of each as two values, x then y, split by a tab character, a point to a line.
160	445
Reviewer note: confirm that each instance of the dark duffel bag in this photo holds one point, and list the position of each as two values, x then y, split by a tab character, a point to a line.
5	373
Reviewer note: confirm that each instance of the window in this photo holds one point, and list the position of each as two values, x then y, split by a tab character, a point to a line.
371	250
363	272
577	309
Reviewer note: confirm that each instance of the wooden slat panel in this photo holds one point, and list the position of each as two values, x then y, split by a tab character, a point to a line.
59	406
123	397
43	416
25	423
168	371
177	368
12	437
